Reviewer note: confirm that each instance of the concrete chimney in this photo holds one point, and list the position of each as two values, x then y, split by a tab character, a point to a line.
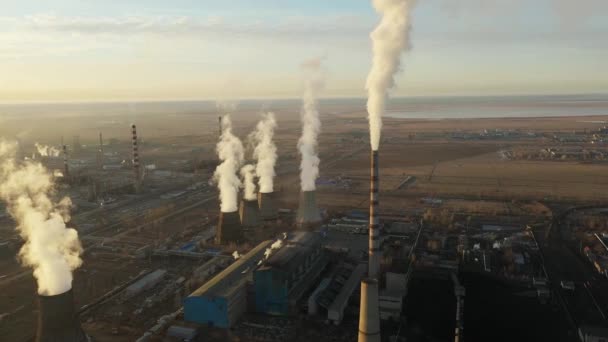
308	212
100	151
369	314
268	207
57	319
228	228
136	169
250	213
374	222
66	167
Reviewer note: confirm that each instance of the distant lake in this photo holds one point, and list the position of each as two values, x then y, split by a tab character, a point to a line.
434	108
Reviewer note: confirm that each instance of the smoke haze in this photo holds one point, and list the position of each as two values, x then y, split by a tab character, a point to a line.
265	152
389	39
247	173
311	125
47	151
230	151
50	248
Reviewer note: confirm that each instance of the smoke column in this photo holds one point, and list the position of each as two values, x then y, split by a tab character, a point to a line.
230	151
50	248
311	125
47	151
265	152
389	40
247	173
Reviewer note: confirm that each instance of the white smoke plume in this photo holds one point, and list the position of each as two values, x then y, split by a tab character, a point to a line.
47	151
236	255
51	249
275	245
389	40
248	175
311	124
265	151
231	153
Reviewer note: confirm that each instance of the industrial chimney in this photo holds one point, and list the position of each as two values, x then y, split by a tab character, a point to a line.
374	222
57	319
308	212
250	213
268	208
369	315
136	170
100	152
228	228
66	167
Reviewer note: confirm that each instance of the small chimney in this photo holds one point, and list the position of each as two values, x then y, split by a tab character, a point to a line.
374	222
250	213
268	208
136	170
369	315
308	212
228	228
66	167
58	320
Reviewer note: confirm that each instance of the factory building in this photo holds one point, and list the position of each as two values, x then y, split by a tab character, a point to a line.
222	300
288	273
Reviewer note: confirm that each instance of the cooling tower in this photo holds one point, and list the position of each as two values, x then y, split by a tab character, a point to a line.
369	315
57	319
308	212
374	222
250	213
268	208
228	228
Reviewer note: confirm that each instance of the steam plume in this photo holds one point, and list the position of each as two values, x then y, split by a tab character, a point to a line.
265	152
311	125
230	151
389	39
47	151
248	183
50	248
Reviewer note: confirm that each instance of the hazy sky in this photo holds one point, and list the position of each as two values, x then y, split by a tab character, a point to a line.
67	50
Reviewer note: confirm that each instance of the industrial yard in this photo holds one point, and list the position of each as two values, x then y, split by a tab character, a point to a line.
459	217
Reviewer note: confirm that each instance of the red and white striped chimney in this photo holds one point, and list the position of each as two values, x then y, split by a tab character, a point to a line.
374	222
136	170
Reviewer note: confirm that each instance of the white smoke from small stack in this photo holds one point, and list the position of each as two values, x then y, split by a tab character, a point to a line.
265	152
236	255
47	151
231	153
389	40
50	248
248	175
275	245
311	124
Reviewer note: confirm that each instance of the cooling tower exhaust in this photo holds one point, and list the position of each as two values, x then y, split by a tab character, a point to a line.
57	319
250	213
374	222
308	212
229	228
268	208
369	315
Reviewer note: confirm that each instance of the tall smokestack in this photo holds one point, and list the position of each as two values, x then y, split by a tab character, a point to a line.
57	319
308	211
229	228
369	315
100	151
268	207
374	222
219	121
136	170
66	167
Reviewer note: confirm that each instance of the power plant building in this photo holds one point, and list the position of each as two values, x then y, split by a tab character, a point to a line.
222	300
289	273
